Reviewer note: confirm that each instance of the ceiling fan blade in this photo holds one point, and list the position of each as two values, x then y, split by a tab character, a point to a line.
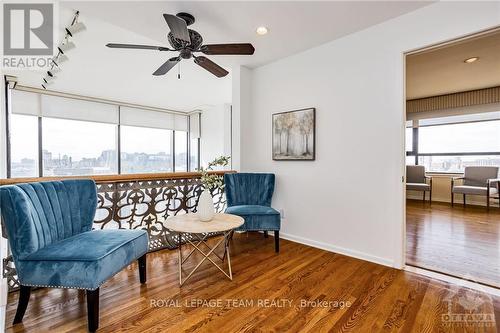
210	66
135	46
178	27
244	49
168	65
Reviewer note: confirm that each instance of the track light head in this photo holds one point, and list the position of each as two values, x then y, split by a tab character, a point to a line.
58	59
75	28
63	48
48	81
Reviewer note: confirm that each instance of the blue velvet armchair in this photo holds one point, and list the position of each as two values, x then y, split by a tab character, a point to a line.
249	196
49	226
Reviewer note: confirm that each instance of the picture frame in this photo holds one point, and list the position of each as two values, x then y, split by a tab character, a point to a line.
294	135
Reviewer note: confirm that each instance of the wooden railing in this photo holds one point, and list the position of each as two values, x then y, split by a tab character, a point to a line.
137	201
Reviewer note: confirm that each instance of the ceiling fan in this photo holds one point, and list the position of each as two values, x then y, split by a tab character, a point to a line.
187	42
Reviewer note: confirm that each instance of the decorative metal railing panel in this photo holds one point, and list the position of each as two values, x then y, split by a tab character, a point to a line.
147	204
141	204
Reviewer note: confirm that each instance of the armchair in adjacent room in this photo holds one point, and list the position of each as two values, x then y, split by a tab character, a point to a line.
49	230
249	196
477	180
416	180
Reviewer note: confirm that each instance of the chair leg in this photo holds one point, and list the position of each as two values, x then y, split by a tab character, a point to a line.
142	268
488	198
276	241
93	309
452	197
464	200
265	234
24	298
430	196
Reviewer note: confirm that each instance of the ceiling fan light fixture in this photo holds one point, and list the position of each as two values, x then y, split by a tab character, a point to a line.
471	60
261	31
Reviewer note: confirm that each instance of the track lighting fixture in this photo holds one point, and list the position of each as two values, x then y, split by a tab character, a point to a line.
59	58
63	48
75	28
47	82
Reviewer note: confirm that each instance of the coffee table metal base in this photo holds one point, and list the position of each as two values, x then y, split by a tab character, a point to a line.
201	239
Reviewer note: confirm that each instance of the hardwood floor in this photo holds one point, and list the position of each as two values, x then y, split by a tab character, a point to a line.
266	296
463	242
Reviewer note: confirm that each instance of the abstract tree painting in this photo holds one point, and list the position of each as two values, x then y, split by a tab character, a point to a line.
294	135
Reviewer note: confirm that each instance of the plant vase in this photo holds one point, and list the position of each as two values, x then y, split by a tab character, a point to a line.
206	210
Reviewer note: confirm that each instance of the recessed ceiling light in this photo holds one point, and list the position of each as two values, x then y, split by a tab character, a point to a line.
471	60
261	31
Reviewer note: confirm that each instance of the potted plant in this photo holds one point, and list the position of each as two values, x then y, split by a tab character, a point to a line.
206	209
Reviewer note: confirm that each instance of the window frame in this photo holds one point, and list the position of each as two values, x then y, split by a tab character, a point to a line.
416	154
8	122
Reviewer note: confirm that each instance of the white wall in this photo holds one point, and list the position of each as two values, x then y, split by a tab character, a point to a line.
241	108
350	200
215	132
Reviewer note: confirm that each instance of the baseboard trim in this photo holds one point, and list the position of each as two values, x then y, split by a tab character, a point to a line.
338	249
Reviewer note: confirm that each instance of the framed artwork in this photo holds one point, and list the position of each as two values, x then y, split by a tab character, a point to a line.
294	135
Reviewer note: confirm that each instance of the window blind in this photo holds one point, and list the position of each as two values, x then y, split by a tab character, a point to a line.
25	103
66	108
36	104
154	119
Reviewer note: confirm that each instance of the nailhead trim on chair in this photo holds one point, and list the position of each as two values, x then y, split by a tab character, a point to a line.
47	286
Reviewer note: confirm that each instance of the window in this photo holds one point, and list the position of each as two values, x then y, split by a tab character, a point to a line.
145	150
464	138
63	136
449	144
24	145
73	147
181	158
457	164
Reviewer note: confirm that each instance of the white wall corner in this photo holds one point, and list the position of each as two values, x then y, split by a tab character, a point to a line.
241	99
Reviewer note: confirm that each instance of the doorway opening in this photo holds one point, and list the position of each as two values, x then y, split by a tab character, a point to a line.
453	158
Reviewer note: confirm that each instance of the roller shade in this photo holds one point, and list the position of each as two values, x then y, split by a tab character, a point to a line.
460	119
181	122
66	108
25	103
154	119
39	104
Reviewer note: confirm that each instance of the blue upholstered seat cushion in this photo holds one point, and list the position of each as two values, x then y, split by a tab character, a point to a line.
256	217
83	261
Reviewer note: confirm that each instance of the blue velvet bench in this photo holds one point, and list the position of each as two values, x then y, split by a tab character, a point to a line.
49	230
249	195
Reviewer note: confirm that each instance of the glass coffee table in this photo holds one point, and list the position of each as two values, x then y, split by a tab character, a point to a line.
190	224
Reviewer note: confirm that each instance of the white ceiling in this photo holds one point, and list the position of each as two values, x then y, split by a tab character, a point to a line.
294	26
442	70
125	75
